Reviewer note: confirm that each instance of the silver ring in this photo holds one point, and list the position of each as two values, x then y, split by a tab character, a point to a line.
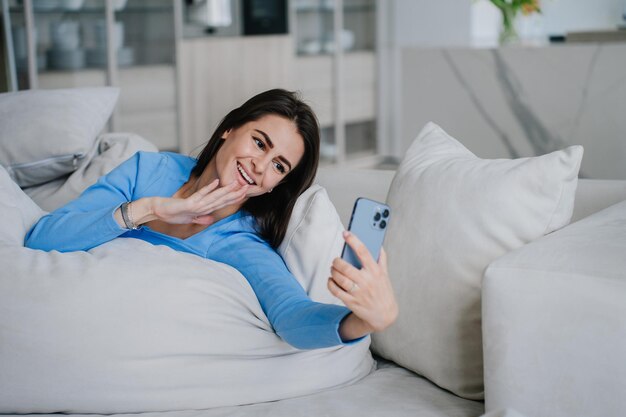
353	288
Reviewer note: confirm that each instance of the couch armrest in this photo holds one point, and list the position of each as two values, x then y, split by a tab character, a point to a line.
554	322
344	185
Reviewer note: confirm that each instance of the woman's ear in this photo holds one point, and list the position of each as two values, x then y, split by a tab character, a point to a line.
226	134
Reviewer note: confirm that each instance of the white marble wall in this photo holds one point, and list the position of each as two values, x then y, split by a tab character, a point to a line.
518	101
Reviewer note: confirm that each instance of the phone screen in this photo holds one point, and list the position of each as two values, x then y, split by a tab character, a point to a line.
369	223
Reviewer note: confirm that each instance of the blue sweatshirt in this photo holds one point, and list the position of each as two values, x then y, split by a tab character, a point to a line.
88	222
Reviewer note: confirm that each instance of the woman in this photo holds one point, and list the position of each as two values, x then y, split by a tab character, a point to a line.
232	205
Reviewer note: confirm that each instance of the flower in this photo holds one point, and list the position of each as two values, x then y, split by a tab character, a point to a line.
530	7
526	6
509	10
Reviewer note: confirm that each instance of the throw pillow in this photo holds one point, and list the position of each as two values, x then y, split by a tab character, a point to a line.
312	241
17	211
112	150
47	134
455	213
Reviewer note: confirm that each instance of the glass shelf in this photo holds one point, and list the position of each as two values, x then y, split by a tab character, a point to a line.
95	10
72	47
330	9
314	27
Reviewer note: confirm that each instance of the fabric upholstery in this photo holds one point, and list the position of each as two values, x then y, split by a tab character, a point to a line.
554	322
455	213
47	134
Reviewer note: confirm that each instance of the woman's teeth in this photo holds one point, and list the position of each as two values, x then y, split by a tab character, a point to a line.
244	175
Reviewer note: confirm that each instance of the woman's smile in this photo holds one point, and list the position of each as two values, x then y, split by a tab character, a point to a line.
247	179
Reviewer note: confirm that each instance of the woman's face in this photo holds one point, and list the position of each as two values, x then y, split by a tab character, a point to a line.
260	153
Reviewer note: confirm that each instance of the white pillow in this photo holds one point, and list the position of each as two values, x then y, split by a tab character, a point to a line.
133	327
112	150
48	133
110	330
312	241
17	211
454	213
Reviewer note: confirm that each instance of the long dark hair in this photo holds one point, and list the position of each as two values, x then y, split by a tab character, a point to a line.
272	210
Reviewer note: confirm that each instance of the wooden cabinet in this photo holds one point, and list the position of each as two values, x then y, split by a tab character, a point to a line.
219	74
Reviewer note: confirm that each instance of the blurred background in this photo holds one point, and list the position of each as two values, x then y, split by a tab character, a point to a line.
504	83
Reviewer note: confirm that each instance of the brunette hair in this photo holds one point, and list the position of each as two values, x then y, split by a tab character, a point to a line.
273	210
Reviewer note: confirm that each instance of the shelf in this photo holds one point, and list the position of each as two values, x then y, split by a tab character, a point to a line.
95	10
329	9
301	54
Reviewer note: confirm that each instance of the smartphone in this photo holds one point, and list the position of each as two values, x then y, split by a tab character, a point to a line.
369	223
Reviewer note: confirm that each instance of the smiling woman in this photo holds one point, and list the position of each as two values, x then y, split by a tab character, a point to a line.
232	204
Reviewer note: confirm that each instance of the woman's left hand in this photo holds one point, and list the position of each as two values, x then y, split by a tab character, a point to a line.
367	292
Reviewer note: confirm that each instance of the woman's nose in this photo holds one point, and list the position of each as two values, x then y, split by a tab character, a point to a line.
261	164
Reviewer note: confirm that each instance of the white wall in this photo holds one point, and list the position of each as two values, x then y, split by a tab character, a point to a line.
431	22
557	18
562	16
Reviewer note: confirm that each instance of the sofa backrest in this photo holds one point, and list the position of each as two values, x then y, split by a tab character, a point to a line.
595	195
344	185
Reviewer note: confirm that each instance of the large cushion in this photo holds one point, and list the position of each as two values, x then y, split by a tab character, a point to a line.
17	212
313	240
554	322
454	213
133	327
47	134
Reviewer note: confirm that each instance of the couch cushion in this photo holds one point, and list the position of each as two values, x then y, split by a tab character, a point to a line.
17	211
113	329
554	322
111	150
455	213
47	134
312	241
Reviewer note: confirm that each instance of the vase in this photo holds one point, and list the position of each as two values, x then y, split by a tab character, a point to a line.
508	33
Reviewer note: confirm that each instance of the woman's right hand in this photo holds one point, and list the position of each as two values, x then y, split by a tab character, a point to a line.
197	208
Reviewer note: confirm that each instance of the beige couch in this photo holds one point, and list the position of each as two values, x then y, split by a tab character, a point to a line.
554	316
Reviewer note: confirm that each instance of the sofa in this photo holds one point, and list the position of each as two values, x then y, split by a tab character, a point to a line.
554	318
510	277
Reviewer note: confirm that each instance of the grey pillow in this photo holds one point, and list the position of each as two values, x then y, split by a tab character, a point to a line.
18	212
47	134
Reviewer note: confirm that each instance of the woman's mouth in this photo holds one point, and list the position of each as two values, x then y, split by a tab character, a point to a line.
245	175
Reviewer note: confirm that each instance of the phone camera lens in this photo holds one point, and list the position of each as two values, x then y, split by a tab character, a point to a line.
377	217
383	224
386	213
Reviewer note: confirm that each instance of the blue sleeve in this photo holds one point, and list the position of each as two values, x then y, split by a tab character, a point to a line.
297	319
88	221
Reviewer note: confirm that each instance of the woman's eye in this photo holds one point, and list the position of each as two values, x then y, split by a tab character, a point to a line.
279	167
259	143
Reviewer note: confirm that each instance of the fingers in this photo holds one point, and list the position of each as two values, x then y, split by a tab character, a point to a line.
348	284
360	250
210	198
206	220
382	261
209	187
213	190
339	292
214	201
